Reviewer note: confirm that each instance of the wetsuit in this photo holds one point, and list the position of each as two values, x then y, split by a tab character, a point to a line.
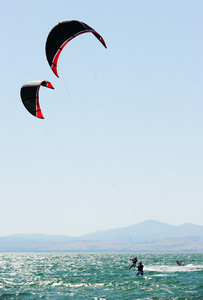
180	263
140	269
134	261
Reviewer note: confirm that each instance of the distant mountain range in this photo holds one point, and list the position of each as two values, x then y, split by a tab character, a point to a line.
147	231
148	236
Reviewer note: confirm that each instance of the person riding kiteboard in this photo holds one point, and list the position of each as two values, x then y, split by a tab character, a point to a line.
140	269
180	262
134	261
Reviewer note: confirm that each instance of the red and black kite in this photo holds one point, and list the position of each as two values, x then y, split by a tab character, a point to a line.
60	35
30	96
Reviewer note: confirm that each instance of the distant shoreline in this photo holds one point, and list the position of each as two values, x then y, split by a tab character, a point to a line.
148	237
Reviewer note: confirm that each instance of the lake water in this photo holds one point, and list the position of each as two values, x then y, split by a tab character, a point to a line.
100	276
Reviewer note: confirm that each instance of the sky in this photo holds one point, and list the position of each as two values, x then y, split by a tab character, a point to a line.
122	138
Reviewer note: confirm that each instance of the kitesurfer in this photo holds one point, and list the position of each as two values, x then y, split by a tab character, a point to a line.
180	263
134	261
140	269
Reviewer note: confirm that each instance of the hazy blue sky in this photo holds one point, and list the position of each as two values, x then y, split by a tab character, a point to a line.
122	138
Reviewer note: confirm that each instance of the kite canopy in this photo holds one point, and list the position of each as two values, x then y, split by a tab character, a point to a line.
30	96
60	35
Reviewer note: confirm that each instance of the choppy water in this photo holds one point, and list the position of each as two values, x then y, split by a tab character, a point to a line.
100	276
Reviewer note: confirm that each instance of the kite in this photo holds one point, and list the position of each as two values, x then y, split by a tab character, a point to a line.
60	35
30	96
